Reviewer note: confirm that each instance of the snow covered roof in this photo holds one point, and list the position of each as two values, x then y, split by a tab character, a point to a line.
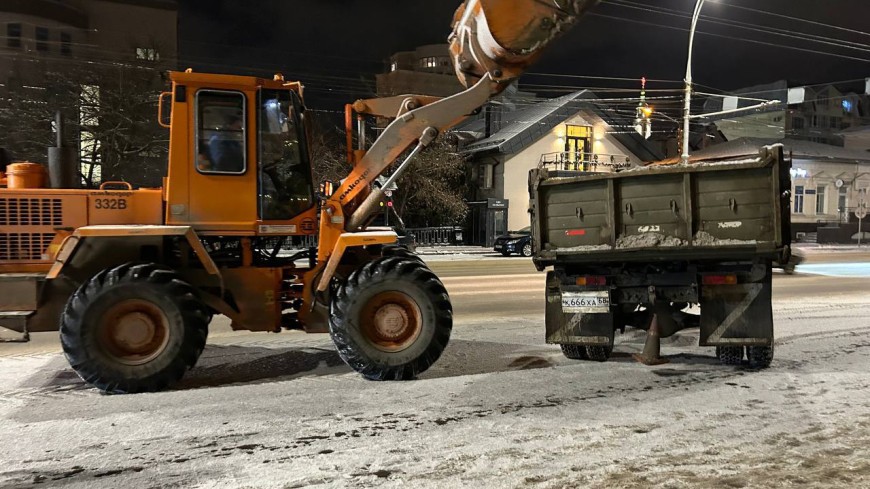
534	122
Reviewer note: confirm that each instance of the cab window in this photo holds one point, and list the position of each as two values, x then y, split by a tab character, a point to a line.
285	175
220	132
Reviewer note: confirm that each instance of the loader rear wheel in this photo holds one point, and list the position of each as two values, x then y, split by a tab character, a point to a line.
391	319
133	328
574	352
729	355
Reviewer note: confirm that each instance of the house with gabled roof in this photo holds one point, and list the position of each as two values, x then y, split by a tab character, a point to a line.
576	132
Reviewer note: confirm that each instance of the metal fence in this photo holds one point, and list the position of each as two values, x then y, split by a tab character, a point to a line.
591	162
432	236
444	235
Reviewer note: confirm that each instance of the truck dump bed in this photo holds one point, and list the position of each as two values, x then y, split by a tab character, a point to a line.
731	209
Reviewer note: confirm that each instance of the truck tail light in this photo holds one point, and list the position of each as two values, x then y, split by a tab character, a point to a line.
592	280
719	279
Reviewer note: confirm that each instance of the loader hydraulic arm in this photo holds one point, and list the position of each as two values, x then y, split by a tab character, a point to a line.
493	42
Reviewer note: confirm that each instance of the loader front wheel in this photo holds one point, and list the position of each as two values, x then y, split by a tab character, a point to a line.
401	252
133	328
391	319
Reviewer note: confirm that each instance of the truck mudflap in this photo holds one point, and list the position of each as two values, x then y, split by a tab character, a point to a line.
578	318
737	314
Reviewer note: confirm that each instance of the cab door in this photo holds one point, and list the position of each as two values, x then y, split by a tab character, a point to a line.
223	182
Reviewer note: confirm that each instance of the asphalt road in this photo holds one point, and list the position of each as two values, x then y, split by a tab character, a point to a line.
499	409
503	288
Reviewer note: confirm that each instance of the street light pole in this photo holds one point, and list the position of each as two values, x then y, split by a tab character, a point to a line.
684	159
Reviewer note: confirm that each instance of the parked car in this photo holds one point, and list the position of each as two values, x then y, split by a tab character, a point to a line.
519	242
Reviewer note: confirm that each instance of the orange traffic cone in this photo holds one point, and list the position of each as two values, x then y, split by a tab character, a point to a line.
651	354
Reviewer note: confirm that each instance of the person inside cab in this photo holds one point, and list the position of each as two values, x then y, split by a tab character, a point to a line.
225	150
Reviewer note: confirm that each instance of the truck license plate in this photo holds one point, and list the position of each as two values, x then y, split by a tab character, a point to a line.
588	302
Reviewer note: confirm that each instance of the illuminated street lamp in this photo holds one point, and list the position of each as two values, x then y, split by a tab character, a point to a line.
684	159
642	122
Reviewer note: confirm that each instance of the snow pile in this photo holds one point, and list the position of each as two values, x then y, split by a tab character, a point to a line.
584	249
703	238
649	240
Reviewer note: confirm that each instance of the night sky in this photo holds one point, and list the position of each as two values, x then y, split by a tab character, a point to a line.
335	46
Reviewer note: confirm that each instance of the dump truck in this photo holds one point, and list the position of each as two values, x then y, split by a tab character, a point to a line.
133	276
649	247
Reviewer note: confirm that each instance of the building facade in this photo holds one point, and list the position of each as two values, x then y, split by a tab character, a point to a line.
91	60
810	113
427	70
44	34
856	138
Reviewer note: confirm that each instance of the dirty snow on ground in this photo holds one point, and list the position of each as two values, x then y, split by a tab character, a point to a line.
500	409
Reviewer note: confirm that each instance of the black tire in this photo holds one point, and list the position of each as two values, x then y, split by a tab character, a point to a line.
729	355
527	250
574	352
599	353
759	356
402	292
138	296
505	253
400	251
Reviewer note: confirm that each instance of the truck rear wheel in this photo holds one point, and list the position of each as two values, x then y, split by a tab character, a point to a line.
729	355
599	353
574	352
391	320
759	356
133	328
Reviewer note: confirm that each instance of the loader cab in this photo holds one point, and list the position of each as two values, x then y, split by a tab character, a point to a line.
238	157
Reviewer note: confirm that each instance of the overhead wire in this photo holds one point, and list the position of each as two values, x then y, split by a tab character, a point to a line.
803	36
742	39
798	19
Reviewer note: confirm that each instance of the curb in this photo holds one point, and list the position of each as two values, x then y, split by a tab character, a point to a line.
452	250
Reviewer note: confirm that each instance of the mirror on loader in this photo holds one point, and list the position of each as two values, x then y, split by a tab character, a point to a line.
326	189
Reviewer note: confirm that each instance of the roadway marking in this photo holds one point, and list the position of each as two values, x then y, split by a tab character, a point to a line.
500	278
856	269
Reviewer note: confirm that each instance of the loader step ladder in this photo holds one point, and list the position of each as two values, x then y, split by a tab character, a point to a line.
19	298
13	326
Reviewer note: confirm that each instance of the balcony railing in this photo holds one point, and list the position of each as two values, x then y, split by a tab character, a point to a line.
584	162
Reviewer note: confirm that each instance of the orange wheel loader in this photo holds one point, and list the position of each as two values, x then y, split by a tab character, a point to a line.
132	276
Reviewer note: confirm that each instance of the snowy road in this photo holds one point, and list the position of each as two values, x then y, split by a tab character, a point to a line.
500	409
